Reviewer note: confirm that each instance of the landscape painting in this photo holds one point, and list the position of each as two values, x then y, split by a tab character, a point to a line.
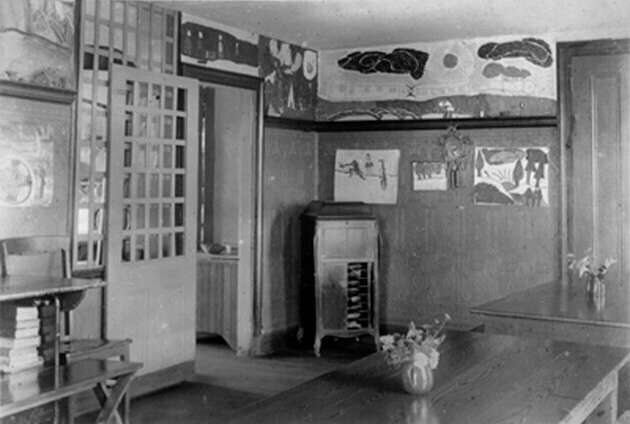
428	175
369	176
511	176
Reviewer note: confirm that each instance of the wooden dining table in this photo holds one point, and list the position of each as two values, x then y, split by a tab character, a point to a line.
561	312
481	378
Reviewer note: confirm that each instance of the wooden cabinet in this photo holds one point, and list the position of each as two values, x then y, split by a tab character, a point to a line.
341	271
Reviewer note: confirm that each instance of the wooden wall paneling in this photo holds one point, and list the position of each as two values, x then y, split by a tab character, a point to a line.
289	185
441	252
217	279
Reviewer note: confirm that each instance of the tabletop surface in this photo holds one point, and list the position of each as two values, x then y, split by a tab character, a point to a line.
481	378
29	385
557	302
15	287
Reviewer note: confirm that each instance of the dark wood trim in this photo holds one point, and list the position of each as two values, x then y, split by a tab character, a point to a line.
259	160
34	92
290	124
423	124
565	129
603	47
437	124
160	379
220	77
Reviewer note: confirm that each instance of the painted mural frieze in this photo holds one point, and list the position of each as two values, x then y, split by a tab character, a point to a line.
37	42
534	50
289	72
218	46
399	61
498	77
208	44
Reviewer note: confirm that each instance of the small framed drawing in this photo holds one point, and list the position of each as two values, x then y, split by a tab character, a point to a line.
428	175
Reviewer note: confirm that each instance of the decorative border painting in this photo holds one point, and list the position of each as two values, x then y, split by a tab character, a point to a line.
369	176
218	46
290	75
428	176
503	76
511	176
37	42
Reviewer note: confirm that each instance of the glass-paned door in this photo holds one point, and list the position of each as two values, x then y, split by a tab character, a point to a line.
152	213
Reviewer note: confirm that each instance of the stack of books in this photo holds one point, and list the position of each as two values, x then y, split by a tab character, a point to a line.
19	337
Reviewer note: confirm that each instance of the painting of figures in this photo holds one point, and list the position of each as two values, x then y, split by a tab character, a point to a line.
512	176
369	176
37	42
428	175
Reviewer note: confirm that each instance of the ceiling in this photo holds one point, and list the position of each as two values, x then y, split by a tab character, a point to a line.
333	24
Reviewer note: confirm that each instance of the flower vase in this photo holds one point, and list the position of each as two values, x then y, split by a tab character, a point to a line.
416	379
596	290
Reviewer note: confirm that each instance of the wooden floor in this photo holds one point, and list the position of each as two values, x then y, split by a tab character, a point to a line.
224	383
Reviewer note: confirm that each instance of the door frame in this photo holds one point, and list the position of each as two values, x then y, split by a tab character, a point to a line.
565	52
249	315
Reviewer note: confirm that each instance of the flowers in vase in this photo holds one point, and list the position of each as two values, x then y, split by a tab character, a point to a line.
585	266
419	344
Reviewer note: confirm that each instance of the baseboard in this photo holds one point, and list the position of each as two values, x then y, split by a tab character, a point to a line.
151	382
273	341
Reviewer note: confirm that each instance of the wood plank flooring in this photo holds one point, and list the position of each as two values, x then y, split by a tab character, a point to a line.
224	383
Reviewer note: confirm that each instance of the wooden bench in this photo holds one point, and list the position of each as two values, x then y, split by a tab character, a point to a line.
24	390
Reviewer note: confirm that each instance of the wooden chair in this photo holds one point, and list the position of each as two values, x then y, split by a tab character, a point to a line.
48	255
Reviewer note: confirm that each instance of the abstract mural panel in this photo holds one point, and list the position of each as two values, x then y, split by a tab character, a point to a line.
369	176
289	71
290	75
511	176
473	78
37	42
218	46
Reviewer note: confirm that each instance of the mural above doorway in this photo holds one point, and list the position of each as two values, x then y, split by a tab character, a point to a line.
289	71
475	78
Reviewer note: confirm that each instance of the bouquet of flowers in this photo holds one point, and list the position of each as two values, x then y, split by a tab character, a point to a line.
585	266
419	345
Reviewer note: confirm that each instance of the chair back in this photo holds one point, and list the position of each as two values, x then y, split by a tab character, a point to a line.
38	255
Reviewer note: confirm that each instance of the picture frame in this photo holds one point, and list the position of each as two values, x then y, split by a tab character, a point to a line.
38	45
428	175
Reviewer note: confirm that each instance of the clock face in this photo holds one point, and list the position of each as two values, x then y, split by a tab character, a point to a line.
16	181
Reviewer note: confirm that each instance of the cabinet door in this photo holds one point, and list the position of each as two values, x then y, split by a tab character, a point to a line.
347	240
332	295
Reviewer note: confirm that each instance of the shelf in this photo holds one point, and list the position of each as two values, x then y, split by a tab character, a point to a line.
34	92
420	124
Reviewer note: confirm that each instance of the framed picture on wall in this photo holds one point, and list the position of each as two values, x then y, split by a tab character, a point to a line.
37	43
427	175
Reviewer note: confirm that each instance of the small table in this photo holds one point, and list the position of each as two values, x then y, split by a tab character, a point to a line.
561	312
20	287
61	382
481	378
30	388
